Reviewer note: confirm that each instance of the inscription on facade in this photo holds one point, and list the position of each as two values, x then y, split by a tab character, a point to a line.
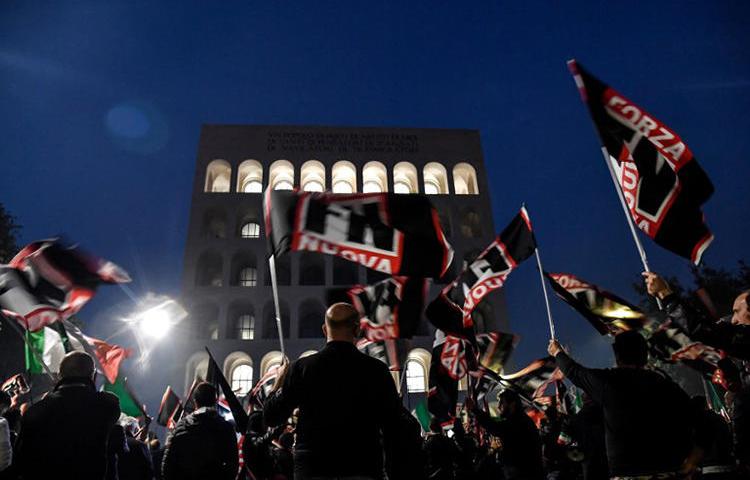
343	142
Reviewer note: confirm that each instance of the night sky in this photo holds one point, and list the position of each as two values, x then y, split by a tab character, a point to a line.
101	105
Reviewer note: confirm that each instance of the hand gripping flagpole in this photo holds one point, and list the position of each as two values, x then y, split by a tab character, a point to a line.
275	289
544	286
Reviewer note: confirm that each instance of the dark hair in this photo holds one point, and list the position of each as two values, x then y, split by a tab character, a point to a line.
630	349
76	364
204	395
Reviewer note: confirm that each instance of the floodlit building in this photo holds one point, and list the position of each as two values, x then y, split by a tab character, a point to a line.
226	282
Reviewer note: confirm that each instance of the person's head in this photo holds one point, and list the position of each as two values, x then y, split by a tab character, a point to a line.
5	401
341	323
286	440
740	310
77	364
204	395
129	424
509	402
630	349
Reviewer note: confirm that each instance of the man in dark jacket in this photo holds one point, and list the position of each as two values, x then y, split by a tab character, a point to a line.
346	401
648	420
65	434
135	463
733	337
521	445
203	445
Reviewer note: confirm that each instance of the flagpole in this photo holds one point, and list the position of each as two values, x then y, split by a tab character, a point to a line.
275	290
628	217
546	298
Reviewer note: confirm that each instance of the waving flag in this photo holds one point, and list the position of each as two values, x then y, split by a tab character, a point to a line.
532	380
170	409
663	185
607	313
215	377
447	365
46	282
391	308
262	389
451	310
390	233
495	349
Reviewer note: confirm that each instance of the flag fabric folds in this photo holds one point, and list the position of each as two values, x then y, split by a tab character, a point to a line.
391	308
110	357
262	389
215	377
451	310
50	344
532	380
170	409
663	185
494	349
607	313
442	395
129	404
394	234
46	282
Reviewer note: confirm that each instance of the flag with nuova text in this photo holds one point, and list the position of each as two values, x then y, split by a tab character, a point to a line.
395	234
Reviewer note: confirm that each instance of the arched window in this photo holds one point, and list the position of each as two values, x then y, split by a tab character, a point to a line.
238	368
218	175
374	178
250	177
471	223
250	230
248	277
312	269
209	270
310	316
242	379
344	177
269	320
415	377
417	370
405	178
281	175
435	179
465	180
215	224
270	360
244	327
313	176
244	272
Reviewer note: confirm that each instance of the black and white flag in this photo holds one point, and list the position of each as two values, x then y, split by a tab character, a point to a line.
391	308
663	185
390	233
451	310
47	281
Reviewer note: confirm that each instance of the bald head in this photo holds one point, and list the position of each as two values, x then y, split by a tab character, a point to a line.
342	322
77	364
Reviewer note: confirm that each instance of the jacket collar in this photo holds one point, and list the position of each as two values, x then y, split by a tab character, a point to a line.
75	382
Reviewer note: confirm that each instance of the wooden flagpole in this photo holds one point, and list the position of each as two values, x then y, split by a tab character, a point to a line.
275	289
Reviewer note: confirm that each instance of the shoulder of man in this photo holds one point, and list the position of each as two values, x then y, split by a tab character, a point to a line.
109	401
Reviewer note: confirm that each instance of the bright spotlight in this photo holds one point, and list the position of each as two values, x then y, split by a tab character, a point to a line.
155	322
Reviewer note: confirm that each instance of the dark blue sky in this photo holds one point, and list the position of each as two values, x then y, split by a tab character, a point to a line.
101	105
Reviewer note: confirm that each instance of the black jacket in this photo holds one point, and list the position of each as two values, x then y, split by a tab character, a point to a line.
65	434
135	464
649	423
733	339
346	399
522	446
202	445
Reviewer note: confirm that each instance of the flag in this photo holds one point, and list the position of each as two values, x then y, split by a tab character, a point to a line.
391	308
670	344
46	282
607	313
170	409
494	349
109	356
451	311
215	377
422	414
445	370
532	380
129	404
50	345
391	233
262	389
663	185
392	352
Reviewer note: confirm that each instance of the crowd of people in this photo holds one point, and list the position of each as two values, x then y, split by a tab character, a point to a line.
337	415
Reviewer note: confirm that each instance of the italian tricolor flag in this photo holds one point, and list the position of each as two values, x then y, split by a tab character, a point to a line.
50	344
